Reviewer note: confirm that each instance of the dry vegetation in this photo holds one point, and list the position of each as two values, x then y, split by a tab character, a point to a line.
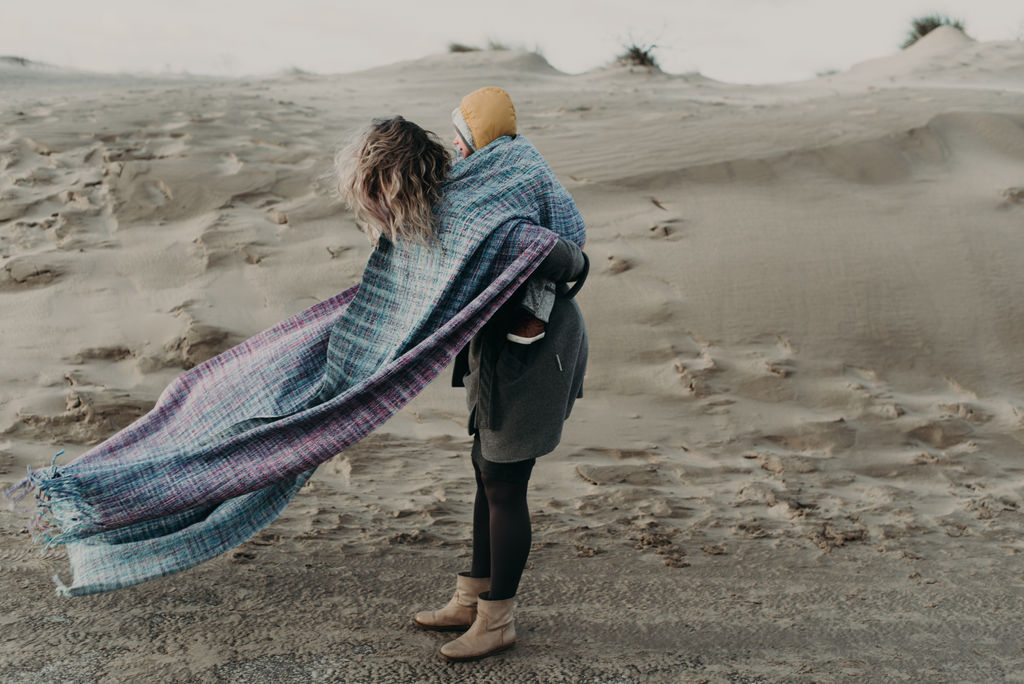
922	26
638	55
492	45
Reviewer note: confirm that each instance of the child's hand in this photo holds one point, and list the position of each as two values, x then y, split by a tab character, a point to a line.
527	329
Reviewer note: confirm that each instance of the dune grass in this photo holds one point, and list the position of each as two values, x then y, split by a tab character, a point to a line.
922	26
636	54
492	46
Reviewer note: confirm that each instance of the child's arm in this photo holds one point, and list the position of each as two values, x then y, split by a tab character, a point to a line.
566	262
531	321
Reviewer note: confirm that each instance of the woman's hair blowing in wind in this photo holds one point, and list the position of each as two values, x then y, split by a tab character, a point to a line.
391	175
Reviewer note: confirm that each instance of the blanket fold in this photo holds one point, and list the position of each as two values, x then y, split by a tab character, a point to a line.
230	442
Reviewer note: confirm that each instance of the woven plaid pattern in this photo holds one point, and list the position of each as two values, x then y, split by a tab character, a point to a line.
229	442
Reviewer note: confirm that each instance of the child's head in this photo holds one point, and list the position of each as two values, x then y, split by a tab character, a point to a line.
483	116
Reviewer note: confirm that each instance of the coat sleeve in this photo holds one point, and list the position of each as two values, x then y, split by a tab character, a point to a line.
565	263
460	367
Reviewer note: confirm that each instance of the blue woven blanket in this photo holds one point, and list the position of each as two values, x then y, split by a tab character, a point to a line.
229	442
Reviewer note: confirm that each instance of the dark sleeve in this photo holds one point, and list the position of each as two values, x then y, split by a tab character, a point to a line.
460	367
564	264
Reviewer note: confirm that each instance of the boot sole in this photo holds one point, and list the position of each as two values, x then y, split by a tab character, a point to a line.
466	659
441	628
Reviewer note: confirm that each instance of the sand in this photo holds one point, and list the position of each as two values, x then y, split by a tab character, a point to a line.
798	456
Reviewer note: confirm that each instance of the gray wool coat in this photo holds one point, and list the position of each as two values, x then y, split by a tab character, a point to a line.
518	395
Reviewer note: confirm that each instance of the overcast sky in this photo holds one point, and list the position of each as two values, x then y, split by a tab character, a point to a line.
752	41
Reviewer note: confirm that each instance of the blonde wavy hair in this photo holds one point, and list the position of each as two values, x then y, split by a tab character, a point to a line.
391	174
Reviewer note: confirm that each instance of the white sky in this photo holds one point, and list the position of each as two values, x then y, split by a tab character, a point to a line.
732	40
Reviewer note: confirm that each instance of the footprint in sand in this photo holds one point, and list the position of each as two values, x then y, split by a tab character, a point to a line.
156	193
970	413
229	164
75	200
665	228
115	353
199	343
251	254
208	117
335	252
619	454
617	265
641	475
872	392
174	125
942	434
832	534
825	437
89	417
29	271
696	372
989	507
660	541
779	465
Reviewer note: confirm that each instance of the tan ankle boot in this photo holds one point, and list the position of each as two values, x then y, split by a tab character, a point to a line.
492	631
460	611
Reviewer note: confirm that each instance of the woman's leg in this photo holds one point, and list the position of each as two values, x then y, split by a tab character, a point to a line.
501	500
481	564
510	533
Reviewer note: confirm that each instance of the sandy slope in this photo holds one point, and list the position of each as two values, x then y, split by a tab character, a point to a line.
799	454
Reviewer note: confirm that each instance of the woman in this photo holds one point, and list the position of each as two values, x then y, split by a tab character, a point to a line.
230	442
518	395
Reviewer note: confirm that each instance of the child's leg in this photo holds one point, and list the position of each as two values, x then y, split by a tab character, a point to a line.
535	309
538	298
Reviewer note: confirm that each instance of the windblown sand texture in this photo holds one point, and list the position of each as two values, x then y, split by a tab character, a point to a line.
799	457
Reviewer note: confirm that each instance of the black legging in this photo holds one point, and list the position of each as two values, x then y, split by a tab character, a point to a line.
501	534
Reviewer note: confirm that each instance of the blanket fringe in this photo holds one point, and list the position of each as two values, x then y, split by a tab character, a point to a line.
16	493
62	589
59	513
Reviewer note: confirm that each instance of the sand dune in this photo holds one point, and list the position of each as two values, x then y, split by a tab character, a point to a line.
945	56
798	456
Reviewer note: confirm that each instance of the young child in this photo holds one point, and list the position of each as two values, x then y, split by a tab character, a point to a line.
490	115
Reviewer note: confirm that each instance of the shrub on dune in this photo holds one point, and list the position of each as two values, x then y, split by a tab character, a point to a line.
14	60
638	55
460	47
922	26
492	46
